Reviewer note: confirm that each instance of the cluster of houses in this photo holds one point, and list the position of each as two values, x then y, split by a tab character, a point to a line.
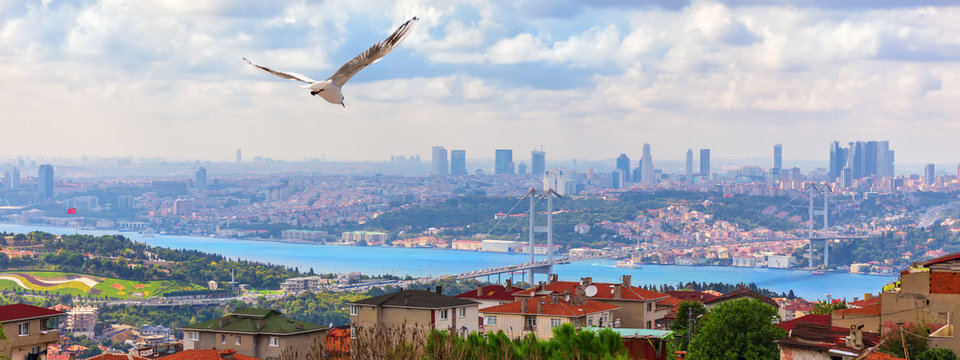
928	292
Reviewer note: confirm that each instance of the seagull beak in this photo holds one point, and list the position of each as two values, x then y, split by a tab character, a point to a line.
341	104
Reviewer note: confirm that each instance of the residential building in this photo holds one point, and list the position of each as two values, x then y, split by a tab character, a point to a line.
503	162
81	320
636	307
45	182
300	284
742	293
814	341
928	292
415	308
491	295
705	164
458	162
30	329
538	162
440	164
259	333
642	344
207	354
539	314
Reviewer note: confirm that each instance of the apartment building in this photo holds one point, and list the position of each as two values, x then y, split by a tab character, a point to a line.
929	292
259	333
635	307
540	314
415	308
491	295
29	330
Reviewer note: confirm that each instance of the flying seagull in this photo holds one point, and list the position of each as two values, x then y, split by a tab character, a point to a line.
330	89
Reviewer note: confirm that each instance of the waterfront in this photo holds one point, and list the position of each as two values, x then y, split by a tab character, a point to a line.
435	262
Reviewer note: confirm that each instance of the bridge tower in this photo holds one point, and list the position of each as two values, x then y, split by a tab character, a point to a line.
812	188
547	194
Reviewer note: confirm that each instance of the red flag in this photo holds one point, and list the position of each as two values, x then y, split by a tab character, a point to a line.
72	211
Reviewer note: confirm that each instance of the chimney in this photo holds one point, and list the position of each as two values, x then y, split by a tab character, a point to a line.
479	290
855	339
509	285
523	306
227	354
867	296
439	289
586	280
855	299
222	321
554	278
260	324
626	280
617	291
542	286
539	306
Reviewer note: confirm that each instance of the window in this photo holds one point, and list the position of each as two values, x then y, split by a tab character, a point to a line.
223	339
589	321
35	350
649	324
51	324
274	341
463	312
491	320
649	306
238	340
554	323
24	329
194	336
532	322
444	314
353	309
353	332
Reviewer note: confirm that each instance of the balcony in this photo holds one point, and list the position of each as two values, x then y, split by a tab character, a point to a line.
42	339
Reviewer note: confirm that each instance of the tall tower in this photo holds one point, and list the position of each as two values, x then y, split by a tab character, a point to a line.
838	160
239	156
623	164
440	164
45	182
200	178
646	166
14	178
705	163
458	162
929	175
690	165
538	162
777	159
503	162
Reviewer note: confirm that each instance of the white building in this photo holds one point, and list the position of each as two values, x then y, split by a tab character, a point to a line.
502	246
780	261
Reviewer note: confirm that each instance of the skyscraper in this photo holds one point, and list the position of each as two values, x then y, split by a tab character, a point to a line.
458	162
503	162
200	178
689	165
864	158
705	163
777	159
646	166
440	165
522	169
538	162
45	182
14	178
623	164
929	175
838	160
239	156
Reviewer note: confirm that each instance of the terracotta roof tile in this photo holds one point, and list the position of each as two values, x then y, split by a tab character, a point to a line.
14	312
209	354
605	291
742	292
811	318
490	292
561	308
110	356
689	295
867	310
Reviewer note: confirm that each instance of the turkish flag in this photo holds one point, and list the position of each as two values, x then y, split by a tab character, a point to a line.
72	211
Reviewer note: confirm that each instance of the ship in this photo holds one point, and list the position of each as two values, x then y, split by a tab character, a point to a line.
628	264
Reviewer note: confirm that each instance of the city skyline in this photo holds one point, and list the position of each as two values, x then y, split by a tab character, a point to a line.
703	74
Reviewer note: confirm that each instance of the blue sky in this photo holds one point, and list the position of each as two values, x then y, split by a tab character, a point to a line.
584	79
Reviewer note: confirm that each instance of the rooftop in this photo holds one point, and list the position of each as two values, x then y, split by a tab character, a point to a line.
560	308
605	291
489	292
209	354
256	321
810	318
15	312
742	293
415	299
690	295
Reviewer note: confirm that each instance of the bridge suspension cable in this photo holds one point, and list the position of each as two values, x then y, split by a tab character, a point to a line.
508	214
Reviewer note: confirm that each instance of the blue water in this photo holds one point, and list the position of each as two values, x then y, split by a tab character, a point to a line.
433	262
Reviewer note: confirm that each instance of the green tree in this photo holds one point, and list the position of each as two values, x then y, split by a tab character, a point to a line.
827	308
937	354
680	325
3	337
915	344
740	329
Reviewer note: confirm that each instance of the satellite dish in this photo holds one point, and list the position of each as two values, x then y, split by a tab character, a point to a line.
590	291
568	298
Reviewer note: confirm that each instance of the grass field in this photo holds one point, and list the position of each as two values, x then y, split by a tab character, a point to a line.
86	285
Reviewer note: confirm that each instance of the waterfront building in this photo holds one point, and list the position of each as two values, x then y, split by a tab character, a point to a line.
780	261
414	308
458	162
367	236
304	235
469	245
440	164
45	182
538	162
503	162
30	329
260	333
538	315
501	246
705	164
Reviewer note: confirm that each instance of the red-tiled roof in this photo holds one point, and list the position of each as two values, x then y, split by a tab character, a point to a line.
338	341
490	292
941	259
561	308
109	356
689	295
605	291
866	310
810	318
209	354
864	303
824	337
741	293
876	355
14	312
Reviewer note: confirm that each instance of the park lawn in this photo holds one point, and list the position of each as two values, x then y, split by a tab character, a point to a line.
59	289
108	287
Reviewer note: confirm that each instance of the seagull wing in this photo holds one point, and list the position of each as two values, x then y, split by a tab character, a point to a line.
373	54
285	75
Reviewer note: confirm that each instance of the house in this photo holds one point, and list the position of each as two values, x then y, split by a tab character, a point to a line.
814	341
742	293
208	354
81	321
868	316
29	330
540	314
414	308
811	318
491	295
636	307
929	291
259	333
643	344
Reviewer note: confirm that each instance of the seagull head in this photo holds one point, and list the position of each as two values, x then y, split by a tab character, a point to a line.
341	102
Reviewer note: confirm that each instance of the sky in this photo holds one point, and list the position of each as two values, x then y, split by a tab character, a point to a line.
582	79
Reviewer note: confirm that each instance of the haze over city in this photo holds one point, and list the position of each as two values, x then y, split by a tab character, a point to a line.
109	78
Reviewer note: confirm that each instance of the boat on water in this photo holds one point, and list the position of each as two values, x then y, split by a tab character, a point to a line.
817	272
627	264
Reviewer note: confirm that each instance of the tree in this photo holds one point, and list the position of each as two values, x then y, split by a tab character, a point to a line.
915	344
740	329
3	337
827	308
937	354
679	327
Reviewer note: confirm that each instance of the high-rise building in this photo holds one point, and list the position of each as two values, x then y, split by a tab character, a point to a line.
623	164
705	163
538	163
838	160
929	175
561	181
503	162
440	165
846	176
13	180
689	165
200	178
864	158
617	179
45	182
239	156
646	166
458	162
777	160
522	169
